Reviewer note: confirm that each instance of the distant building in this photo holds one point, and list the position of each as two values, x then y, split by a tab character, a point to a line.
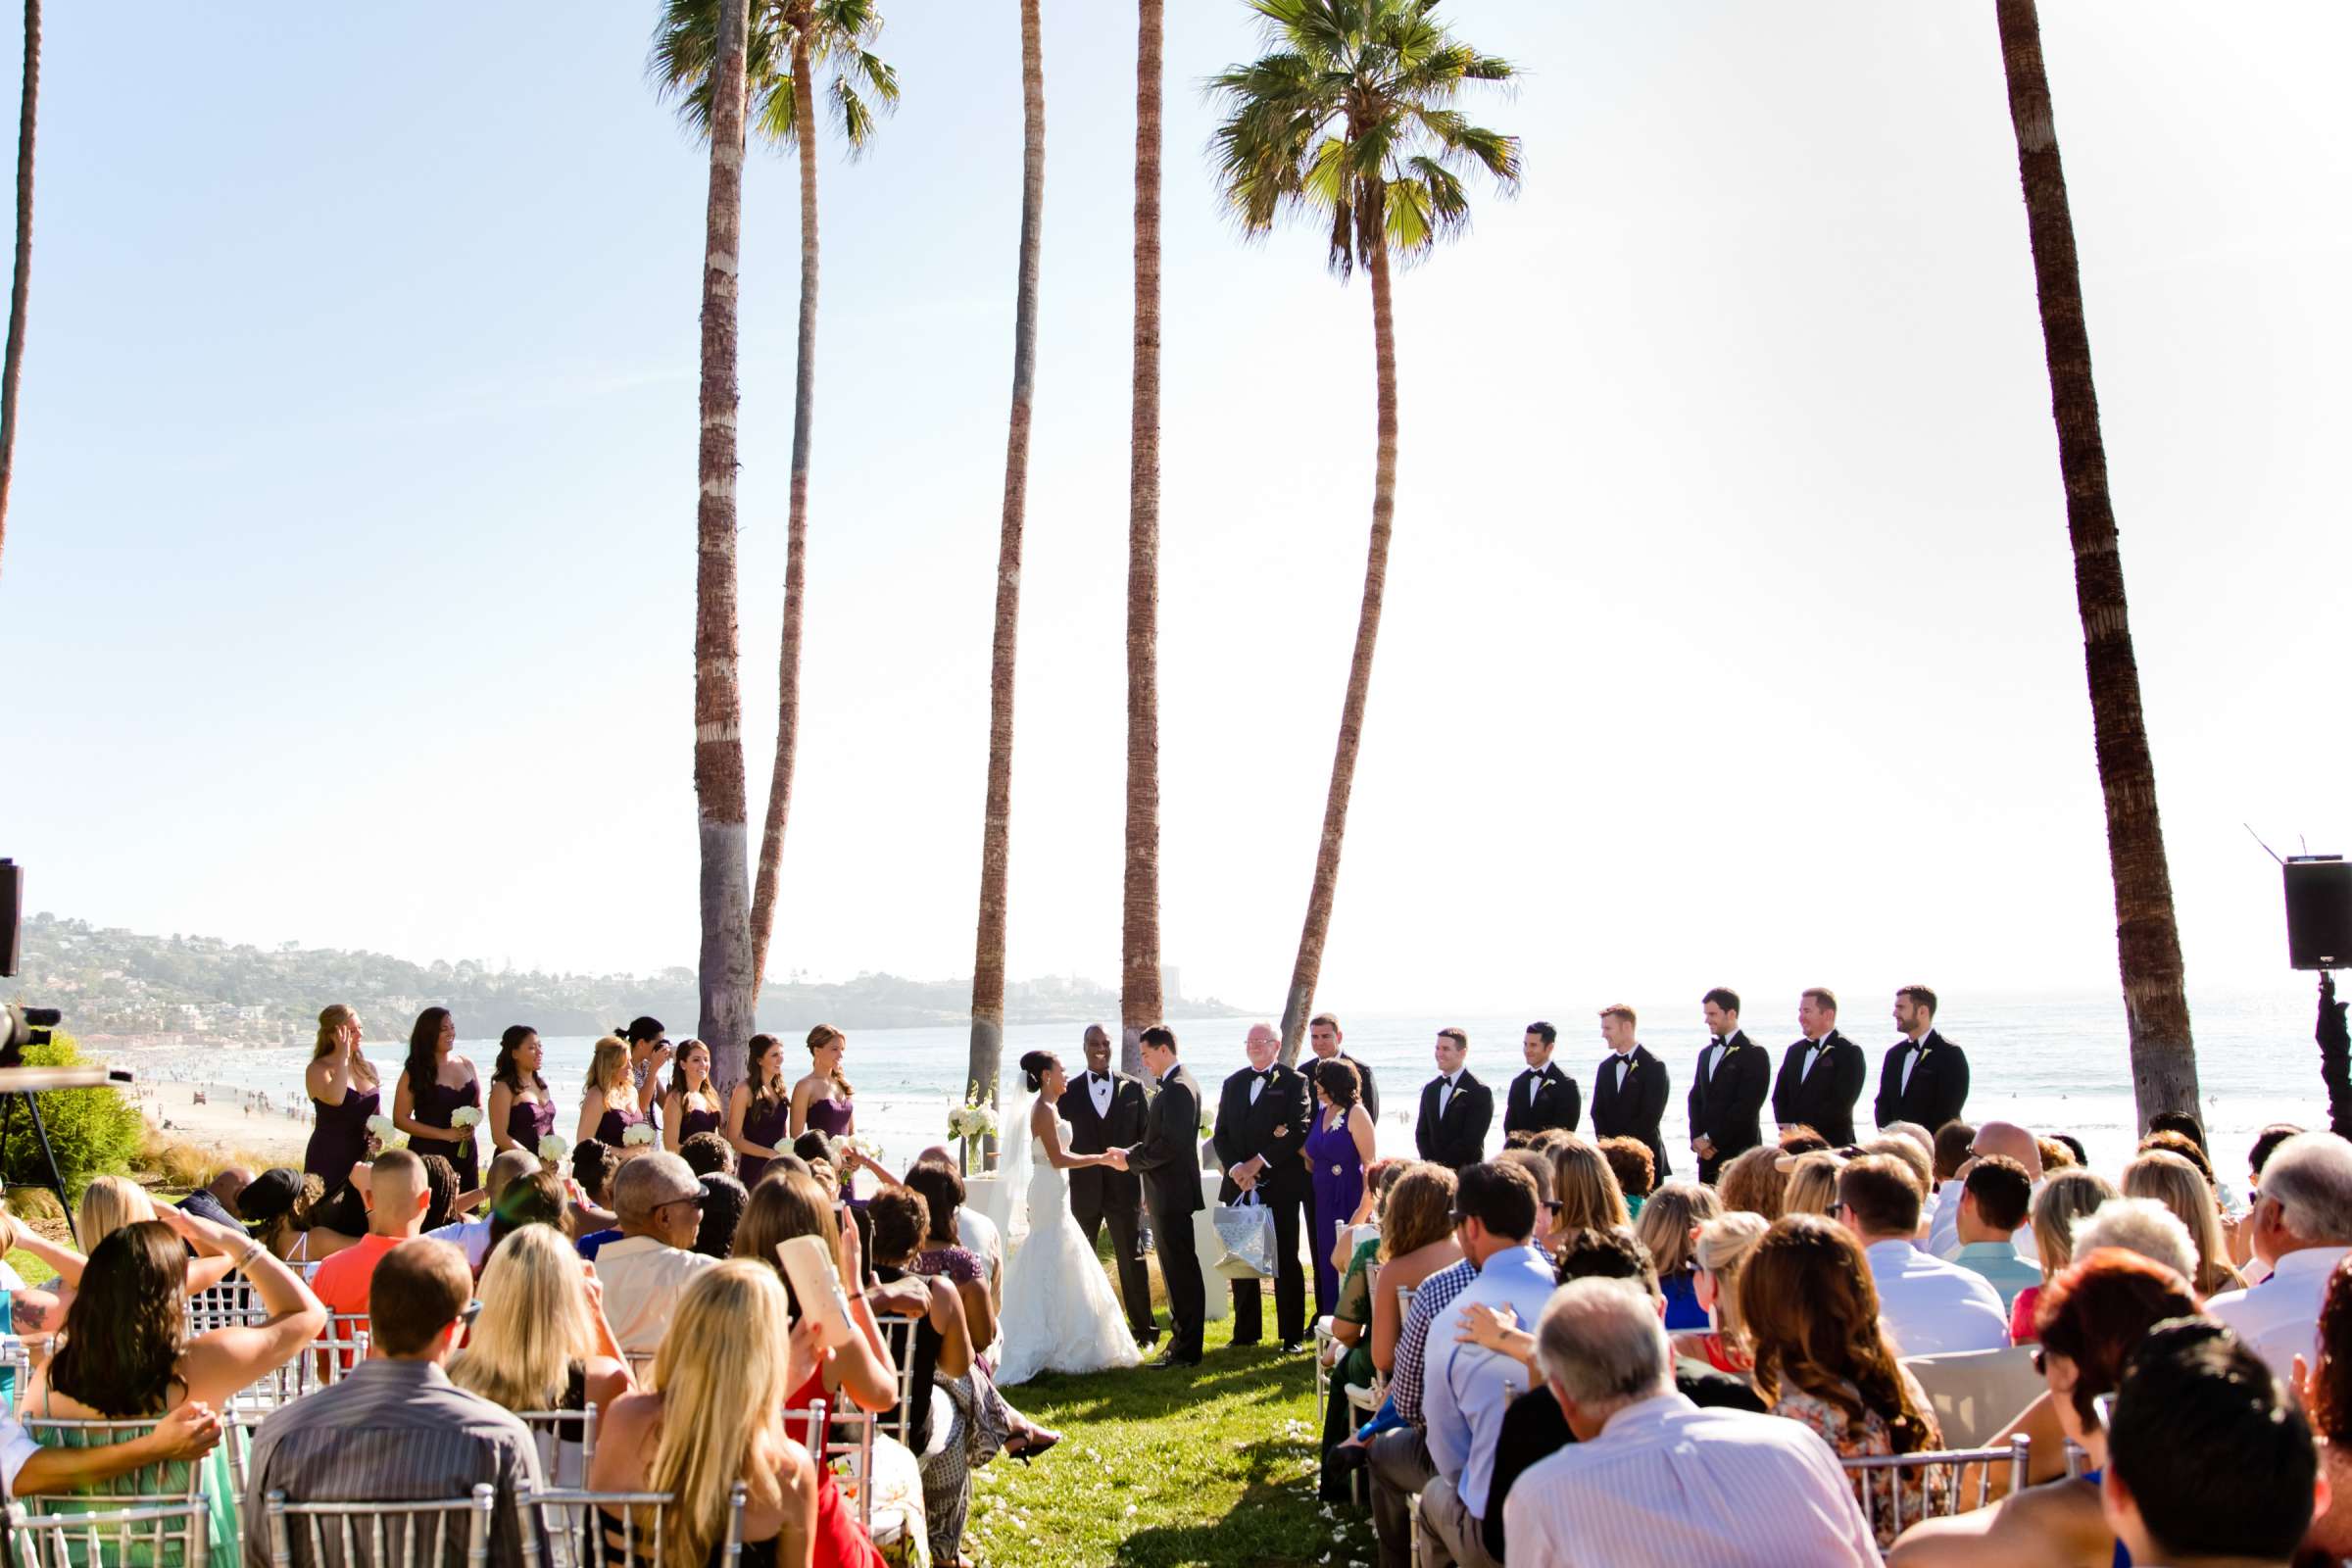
1171	987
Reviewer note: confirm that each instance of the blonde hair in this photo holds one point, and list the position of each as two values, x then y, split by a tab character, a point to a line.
608	1073
108	1204
2065	1197
720	1372
1586	1190
1723	1245
332	1019
2181	1186
1667	1216
533	1325
1908	1150
1812	1187
823	1035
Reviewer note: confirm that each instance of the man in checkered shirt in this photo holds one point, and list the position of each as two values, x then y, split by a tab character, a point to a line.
1399	1461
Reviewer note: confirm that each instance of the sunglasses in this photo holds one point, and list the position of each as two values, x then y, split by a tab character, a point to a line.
696	1199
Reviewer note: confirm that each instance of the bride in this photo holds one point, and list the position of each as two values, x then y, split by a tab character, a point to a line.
1059	1313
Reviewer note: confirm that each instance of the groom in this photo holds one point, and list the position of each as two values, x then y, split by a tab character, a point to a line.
1168	1161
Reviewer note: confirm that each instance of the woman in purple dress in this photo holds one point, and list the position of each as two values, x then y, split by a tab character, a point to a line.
345	1089
758	1109
821	1102
521	1111
609	1107
689	1105
1338	1145
434	1084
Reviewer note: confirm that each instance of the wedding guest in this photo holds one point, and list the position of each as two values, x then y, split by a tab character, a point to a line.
795	1204
2209	1461
345	1091
2064	1199
724	1203
108	1203
2241	1234
1323	1041
2326	1393
282	1207
394	1429
537	1198
1914	1155
1664	1227
2059	1152
648	1049
1400	1457
758	1109
1465	1392
1993	1137
2093	1316
1921	1139
1629	1161
435	1084
2176	1184
689	1103
1630	1090
1929	1306
1728	1087
1715	1486
2302	1228
594	1164
1541	1095
1262	1123
1752	1182
1810	1184
975	1232
1924	1077
1105	1110
1813	1321
944	1256
1585	1192
1456	1108
1352	1313
541	1341
943	1353
609	1109
1993	1207
1951	1150
1821	1074
823	1101
1717	1252
1338	1145
522	1113
707	1154
217	1199
648	1269
1416	1245
396	1204
442	1200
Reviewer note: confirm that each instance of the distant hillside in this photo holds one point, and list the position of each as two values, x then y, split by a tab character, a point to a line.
115	982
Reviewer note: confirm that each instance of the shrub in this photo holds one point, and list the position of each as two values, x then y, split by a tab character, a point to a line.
93	1132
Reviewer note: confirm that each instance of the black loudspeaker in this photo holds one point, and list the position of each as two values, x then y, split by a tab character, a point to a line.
12	913
2319	912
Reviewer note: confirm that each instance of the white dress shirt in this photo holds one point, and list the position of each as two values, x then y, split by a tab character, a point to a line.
472	1234
16	1446
1098	1089
2279	1318
1444	1091
1911	1063
1666	1481
1929	1306
642	1278
1464	1388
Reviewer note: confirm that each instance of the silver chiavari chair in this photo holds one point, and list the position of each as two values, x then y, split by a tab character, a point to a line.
566	1442
584	1529
341	1345
164	1482
898	1335
384	1533
2077	1460
843	1441
155	1536
16	1369
641	1368
1897	1476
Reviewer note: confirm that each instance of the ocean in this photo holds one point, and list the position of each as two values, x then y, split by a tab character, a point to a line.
2053	1064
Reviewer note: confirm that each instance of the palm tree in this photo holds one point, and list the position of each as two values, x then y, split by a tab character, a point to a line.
1140	996
790	42
13	366
2164	1061
726	960
996	832
1348	120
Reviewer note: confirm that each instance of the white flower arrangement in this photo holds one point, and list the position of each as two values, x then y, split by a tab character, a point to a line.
637	1137
380	1129
465	1119
553	1148
836	1147
974	1119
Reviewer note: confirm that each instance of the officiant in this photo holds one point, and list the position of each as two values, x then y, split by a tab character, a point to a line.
1262	1119
1105	1108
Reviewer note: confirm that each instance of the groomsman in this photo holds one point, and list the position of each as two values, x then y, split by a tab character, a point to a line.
1727	1090
1323	1037
1262	1121
1925	1076
1822	1074
1456	1110
1630	1092
1105	1110
1543	1096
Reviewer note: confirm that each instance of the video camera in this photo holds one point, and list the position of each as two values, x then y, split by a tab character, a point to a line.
19	1025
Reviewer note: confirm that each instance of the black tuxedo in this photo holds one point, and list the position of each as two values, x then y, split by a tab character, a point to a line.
1311	1063
1825	1099
1540	1098
1272	1127
1938	1087
1169	1160
1635	1110
1098	1194
1727	1099
1458	1138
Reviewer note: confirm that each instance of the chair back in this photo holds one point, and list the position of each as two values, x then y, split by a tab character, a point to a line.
2077	1460
641	1367
1404	1302
1975	1394
1905	1480
343	1345
843	1442
897	1333
164	1482
566	1442
382	1533
617	1529
231	1302
16	1370
157	1533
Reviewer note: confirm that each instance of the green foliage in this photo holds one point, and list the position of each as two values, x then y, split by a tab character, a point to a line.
93	1132
686	41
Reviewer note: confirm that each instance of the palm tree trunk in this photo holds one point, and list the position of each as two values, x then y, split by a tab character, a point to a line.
1139	945
796	546
1300	1003
726	972
996	832
2164	1061
12	367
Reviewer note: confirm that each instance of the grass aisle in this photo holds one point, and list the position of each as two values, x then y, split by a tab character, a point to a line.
1215	1464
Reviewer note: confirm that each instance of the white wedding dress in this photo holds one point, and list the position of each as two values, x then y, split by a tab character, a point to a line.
1060	1313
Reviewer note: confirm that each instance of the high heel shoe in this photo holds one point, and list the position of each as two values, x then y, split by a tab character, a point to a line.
1036	1443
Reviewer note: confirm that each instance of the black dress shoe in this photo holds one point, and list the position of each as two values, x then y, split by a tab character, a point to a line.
1172	1359
1347	1456
1148	1338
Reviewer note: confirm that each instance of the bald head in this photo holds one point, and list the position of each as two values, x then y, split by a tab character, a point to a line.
398	1192
510	1167
229	1184
2008	1137
1262	1043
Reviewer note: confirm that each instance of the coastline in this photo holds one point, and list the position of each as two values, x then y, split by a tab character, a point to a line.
222	1125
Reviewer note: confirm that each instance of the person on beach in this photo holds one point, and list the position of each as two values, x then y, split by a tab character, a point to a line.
522	1113
435	1084
689	1105
758	1109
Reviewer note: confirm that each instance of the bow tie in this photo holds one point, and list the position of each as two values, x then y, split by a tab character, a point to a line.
1716	1041
1097	1078
1261	1077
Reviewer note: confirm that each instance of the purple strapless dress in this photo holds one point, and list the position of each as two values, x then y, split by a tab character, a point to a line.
339	1141
766	1128
834	1118
432	1105
696	1120
528	1121
614	1123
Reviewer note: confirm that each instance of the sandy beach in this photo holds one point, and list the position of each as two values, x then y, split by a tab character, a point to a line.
223	1123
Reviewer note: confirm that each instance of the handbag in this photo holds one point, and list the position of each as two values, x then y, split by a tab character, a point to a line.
1246	1230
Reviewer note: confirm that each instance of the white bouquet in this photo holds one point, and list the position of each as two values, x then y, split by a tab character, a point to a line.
638	1137
380	1129
836	1148
974	1119
553	1148
465	1119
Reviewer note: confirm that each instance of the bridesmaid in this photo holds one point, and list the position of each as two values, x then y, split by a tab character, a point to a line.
1338	1147
609	1109
433	1084
689	1105
521	1111
758	1108
820	1102
345	1089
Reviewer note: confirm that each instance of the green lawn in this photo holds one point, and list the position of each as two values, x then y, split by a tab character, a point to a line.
1215	1464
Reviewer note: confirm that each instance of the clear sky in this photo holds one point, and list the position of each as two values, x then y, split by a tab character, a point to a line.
1730	630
